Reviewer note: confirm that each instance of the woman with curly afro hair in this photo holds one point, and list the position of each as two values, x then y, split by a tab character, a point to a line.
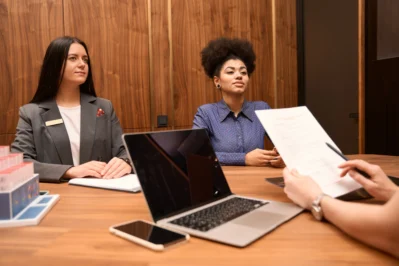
235	131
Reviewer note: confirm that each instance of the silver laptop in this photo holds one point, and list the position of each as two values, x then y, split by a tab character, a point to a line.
186	189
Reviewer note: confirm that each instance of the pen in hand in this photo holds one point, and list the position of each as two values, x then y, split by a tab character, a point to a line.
346	159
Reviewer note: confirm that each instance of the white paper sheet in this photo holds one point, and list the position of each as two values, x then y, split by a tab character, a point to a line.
301	141
128	183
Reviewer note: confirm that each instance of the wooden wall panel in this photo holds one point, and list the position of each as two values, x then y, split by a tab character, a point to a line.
190	32
194	24
34	24
26	27
146	53
361	74
116	33
7	139
6	94
261	36
160	70
387	29
286	54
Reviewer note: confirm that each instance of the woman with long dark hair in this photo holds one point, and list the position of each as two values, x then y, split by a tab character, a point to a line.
66	130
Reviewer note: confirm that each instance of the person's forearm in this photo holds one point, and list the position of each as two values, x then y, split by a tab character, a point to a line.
49	172
366	222
231	158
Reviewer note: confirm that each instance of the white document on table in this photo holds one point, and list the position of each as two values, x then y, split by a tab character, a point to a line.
128	183
301	142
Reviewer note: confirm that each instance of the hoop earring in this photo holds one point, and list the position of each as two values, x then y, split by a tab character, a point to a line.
218	86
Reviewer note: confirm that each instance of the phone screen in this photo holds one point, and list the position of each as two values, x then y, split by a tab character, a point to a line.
151	233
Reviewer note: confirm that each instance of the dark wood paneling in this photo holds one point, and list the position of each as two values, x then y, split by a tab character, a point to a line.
135	130
116	33
361	73
11	120
330	68
183	127
6	92
261	36
161	100
6	139
27	27
3	139
194	24
189	34
163	128
286	54
387	29
34	24
9	138
382	82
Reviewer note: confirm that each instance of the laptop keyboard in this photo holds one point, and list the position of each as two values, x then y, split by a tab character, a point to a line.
211	217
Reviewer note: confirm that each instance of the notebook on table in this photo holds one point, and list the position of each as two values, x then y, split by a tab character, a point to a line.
186	190
128	183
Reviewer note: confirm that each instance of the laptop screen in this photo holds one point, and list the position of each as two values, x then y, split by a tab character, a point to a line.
178	170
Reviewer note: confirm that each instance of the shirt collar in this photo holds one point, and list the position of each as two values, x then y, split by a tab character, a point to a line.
224	110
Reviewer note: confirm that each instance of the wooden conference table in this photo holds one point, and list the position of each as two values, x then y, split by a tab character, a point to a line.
75	232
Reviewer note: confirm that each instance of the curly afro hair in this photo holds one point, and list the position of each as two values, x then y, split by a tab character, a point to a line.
218	51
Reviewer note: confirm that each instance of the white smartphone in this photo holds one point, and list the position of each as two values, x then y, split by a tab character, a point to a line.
148	234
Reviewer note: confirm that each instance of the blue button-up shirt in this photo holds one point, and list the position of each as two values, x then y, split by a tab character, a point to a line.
232	137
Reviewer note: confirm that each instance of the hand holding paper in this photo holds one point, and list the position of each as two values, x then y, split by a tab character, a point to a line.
301	142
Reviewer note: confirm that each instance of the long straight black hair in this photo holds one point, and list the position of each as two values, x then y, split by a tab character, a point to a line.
53	68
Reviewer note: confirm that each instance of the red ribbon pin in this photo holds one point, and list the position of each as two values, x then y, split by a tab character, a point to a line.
100	112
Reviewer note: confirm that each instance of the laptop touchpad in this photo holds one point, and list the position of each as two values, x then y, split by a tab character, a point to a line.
260	219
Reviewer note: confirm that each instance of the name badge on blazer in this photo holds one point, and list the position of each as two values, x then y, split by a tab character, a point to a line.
54	122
